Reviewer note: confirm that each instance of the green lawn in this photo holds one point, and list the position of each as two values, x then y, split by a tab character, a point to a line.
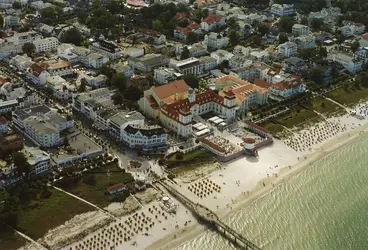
195	157
298	117
10	240
324	106
45	214
273	127
97	193
348	97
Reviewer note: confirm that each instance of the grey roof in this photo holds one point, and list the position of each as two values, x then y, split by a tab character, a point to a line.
27	112
124	117
148	131
150	59
41	126
293	60
93	94
56	118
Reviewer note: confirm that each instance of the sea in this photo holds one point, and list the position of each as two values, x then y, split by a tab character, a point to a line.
324	207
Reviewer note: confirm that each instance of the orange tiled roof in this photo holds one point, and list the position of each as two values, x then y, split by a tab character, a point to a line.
170	89
211	18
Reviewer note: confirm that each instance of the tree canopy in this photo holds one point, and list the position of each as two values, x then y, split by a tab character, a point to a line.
192	81
17	5
185	53
72	36
21	163
29	48
286	24
119	81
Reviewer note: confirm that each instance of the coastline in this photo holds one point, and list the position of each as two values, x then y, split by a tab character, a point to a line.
259	190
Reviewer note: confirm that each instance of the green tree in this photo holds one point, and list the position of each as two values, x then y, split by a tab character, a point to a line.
132	93
322	52
89	179
21	163
355	46
107	70
192	81
233	36
256	40
283	38
82	17
185	53
29	48
1	21
316	23
192	37
119	81
304	21
48	12
17	5
117	99
157	25
306	53
72	36
286	24
83	85
263	29
316	75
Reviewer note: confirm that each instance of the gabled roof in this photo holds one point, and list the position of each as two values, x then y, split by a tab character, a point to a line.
170	89
116	187
212	18
36	69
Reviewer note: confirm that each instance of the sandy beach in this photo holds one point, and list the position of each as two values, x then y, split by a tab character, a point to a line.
142	224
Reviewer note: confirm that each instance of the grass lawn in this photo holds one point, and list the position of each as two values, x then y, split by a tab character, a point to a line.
46	214
348	97
323	106
298	117
97	193
194	157
10	240
273	127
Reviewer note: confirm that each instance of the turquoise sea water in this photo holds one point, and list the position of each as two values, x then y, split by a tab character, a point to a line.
323	207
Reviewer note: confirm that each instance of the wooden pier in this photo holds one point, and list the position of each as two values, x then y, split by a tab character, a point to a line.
210	218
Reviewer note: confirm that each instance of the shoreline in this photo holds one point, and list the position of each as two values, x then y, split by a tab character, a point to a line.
258	191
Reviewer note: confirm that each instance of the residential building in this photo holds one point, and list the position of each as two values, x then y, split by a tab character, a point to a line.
61	89
175	104
26	37
107	48
249	73
148	62
37	74
46	44
283	89
182	33
197	50
247	94
41	125
145	137
40	5
208	63
190	66
38	160
119	121
282	9
117	188
88	58
350	63
239	61
164	75
293	65
12	21
10	50
305	42
21	62
58	67
221	55
288	49
3	125
133	52
122	67
299	29
212	21
351	28
214	41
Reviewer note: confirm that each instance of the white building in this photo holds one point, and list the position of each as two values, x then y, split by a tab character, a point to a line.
107	48
190	66
305	42
214	41
164	75
46	44
299	29
133	52
38	159
3	125
148	62
21	62
350	63
282	9
61	89
288	49
145	137
221	55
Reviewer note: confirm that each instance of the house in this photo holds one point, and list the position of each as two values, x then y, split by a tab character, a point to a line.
355	28
288	49
208	63
239	61
121	67
164	75
285	87
58	67
37	74
305	42
197	50
133	52
221	55
21	62
39	161
214	41
46	44
190	66
148	62
175	104
26	37
293	65
61	89
41	125
10	142
145	137
118	121
183	32
107	48
12	21
206	3
212	21
3	125
9	50
282	9
350	63
299	29
251	72
117	188
86	57
245	29
247	94
40	5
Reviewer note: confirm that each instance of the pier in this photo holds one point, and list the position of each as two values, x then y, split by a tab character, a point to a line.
210	218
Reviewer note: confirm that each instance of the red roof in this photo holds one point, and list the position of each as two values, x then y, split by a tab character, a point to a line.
192	26
249	140
296	81
3	120
116	187
252	124
181	16
365	36
211	18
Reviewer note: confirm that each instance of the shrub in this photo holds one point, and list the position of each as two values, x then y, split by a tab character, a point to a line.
89	180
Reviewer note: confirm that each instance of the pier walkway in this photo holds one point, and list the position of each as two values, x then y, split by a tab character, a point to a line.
210	217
